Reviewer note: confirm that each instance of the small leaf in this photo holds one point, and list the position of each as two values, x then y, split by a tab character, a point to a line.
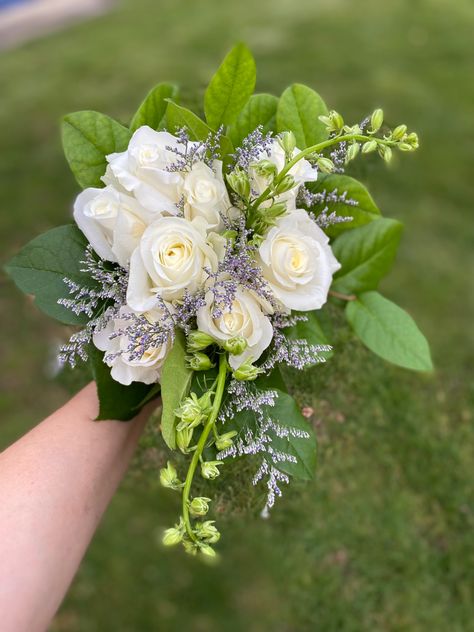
298	111
153	108
41	266
259	110
116	401
366	210
311	331
366	254
389	331
88	137
175	383
230	88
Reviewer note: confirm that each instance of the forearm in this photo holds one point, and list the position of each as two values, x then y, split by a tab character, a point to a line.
55	484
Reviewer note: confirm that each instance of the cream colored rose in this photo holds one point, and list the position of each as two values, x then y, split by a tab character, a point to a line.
205	195
170	258
245	319
297	261
112	221
124	369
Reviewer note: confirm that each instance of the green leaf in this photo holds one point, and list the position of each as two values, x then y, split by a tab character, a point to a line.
230	88
153	108
259	110
178	117
88	137
366	210
389	331
366	254
40	267
311	331
175	383
298	111
116	401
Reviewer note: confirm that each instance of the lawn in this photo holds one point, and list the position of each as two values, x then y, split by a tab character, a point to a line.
382	539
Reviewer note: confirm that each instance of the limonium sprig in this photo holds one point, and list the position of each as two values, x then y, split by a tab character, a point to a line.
200	263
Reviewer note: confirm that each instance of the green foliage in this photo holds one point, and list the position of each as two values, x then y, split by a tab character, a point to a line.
41	266
298	111
230	88
260	109
116	401
88	137
152	110
175	382
389	331
366	255
311	331
366	210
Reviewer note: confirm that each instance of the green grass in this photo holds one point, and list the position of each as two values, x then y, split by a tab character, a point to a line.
382	540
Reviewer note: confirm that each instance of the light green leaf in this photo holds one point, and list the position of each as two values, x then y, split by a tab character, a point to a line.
366	210
40	267
259	110
230	88
298	111
88	137
153	108
311	331
175	383
389	331
116	401
366	254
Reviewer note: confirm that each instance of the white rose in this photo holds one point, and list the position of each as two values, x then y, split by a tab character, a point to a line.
297	261
246	319
302	172
124	369
144	169
112	221
205	194
171	256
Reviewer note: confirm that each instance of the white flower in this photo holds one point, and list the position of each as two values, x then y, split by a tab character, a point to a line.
297	261
171	256
205	194
302	172
112	221
246	319
125	370
143	169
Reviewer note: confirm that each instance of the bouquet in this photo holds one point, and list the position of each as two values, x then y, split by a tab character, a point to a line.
201	258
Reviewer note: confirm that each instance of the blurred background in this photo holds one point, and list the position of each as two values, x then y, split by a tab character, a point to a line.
383	538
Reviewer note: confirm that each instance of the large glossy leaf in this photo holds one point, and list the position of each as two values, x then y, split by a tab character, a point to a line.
389	331
41	266
259	110
298	111
153	108
88	137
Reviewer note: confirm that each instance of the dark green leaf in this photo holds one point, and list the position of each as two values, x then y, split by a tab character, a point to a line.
259	110
389	331
230	88
152	110
116	401
298	111
366	254
88	137
40	267
311	331
366	210
175	383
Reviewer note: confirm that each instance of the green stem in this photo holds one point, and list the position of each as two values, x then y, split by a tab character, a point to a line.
216	404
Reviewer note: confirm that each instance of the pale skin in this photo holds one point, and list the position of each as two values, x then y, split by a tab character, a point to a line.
55	484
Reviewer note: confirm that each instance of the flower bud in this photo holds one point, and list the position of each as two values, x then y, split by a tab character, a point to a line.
412	139
352	152
287	142
369	146
199	506
210	469
325	165
198	340
190	547
224	441
207	531
205	549
405	147
334	121
169	477
399	132
287	183
265	168
376	120
172	536
236	345
239	182
199	362
385	152
246	372
183	439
